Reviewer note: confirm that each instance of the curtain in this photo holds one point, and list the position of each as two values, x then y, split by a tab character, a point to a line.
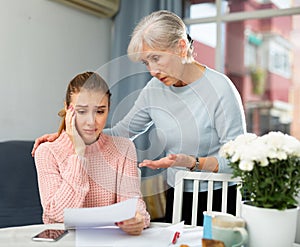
126	79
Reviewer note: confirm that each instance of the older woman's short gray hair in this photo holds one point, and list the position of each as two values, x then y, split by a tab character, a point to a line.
160	30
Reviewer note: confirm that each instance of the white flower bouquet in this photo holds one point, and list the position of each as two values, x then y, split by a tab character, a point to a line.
269	167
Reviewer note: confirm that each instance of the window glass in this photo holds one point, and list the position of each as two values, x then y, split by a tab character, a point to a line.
204	33
251	5
201	10
260	56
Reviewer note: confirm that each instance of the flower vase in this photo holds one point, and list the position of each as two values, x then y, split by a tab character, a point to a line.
270	227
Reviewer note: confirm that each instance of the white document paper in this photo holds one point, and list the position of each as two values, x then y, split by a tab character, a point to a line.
113	236
100	216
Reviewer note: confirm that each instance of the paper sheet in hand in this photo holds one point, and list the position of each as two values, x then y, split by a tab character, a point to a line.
100	216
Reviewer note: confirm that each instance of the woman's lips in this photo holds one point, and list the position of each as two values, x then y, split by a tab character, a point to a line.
90	132
163	79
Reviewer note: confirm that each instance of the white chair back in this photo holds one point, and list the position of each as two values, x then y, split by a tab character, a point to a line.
209	177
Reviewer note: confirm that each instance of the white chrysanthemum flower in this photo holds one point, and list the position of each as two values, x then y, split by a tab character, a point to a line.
245	138
235	157
272	153
281	145
274	139
227	150
239	152
234	149
281	155
248	149
263	162
291	146
246	165
256	150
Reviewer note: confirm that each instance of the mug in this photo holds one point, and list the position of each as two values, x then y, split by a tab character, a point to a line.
207	222
230	230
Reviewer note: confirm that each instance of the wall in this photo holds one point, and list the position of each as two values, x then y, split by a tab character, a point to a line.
295	92
204	54
43	45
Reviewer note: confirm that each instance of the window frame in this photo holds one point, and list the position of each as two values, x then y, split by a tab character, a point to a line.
221	17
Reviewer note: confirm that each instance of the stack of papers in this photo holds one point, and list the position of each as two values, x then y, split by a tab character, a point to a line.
96	227
158	237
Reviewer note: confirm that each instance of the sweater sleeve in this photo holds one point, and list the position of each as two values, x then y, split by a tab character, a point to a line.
61	185
229	120
128	182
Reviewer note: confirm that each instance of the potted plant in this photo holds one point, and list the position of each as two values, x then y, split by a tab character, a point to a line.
258	78
269	167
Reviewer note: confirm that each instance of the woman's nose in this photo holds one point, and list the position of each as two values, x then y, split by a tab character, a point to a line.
153	73
153	70
91	118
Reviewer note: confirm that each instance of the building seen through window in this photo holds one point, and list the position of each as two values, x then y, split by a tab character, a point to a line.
255	44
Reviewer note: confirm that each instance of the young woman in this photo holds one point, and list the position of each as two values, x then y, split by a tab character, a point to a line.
196	108
84	167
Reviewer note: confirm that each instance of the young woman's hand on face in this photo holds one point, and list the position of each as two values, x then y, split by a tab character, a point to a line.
133	226
72	132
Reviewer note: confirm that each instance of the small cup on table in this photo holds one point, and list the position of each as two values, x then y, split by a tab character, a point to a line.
230	230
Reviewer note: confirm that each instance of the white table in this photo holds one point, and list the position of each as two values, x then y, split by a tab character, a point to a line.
21	236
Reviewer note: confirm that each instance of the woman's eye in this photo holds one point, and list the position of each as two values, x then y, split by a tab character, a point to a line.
80	112
100	112
155	58
145	63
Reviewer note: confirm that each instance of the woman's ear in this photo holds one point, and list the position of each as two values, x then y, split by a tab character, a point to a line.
182	47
